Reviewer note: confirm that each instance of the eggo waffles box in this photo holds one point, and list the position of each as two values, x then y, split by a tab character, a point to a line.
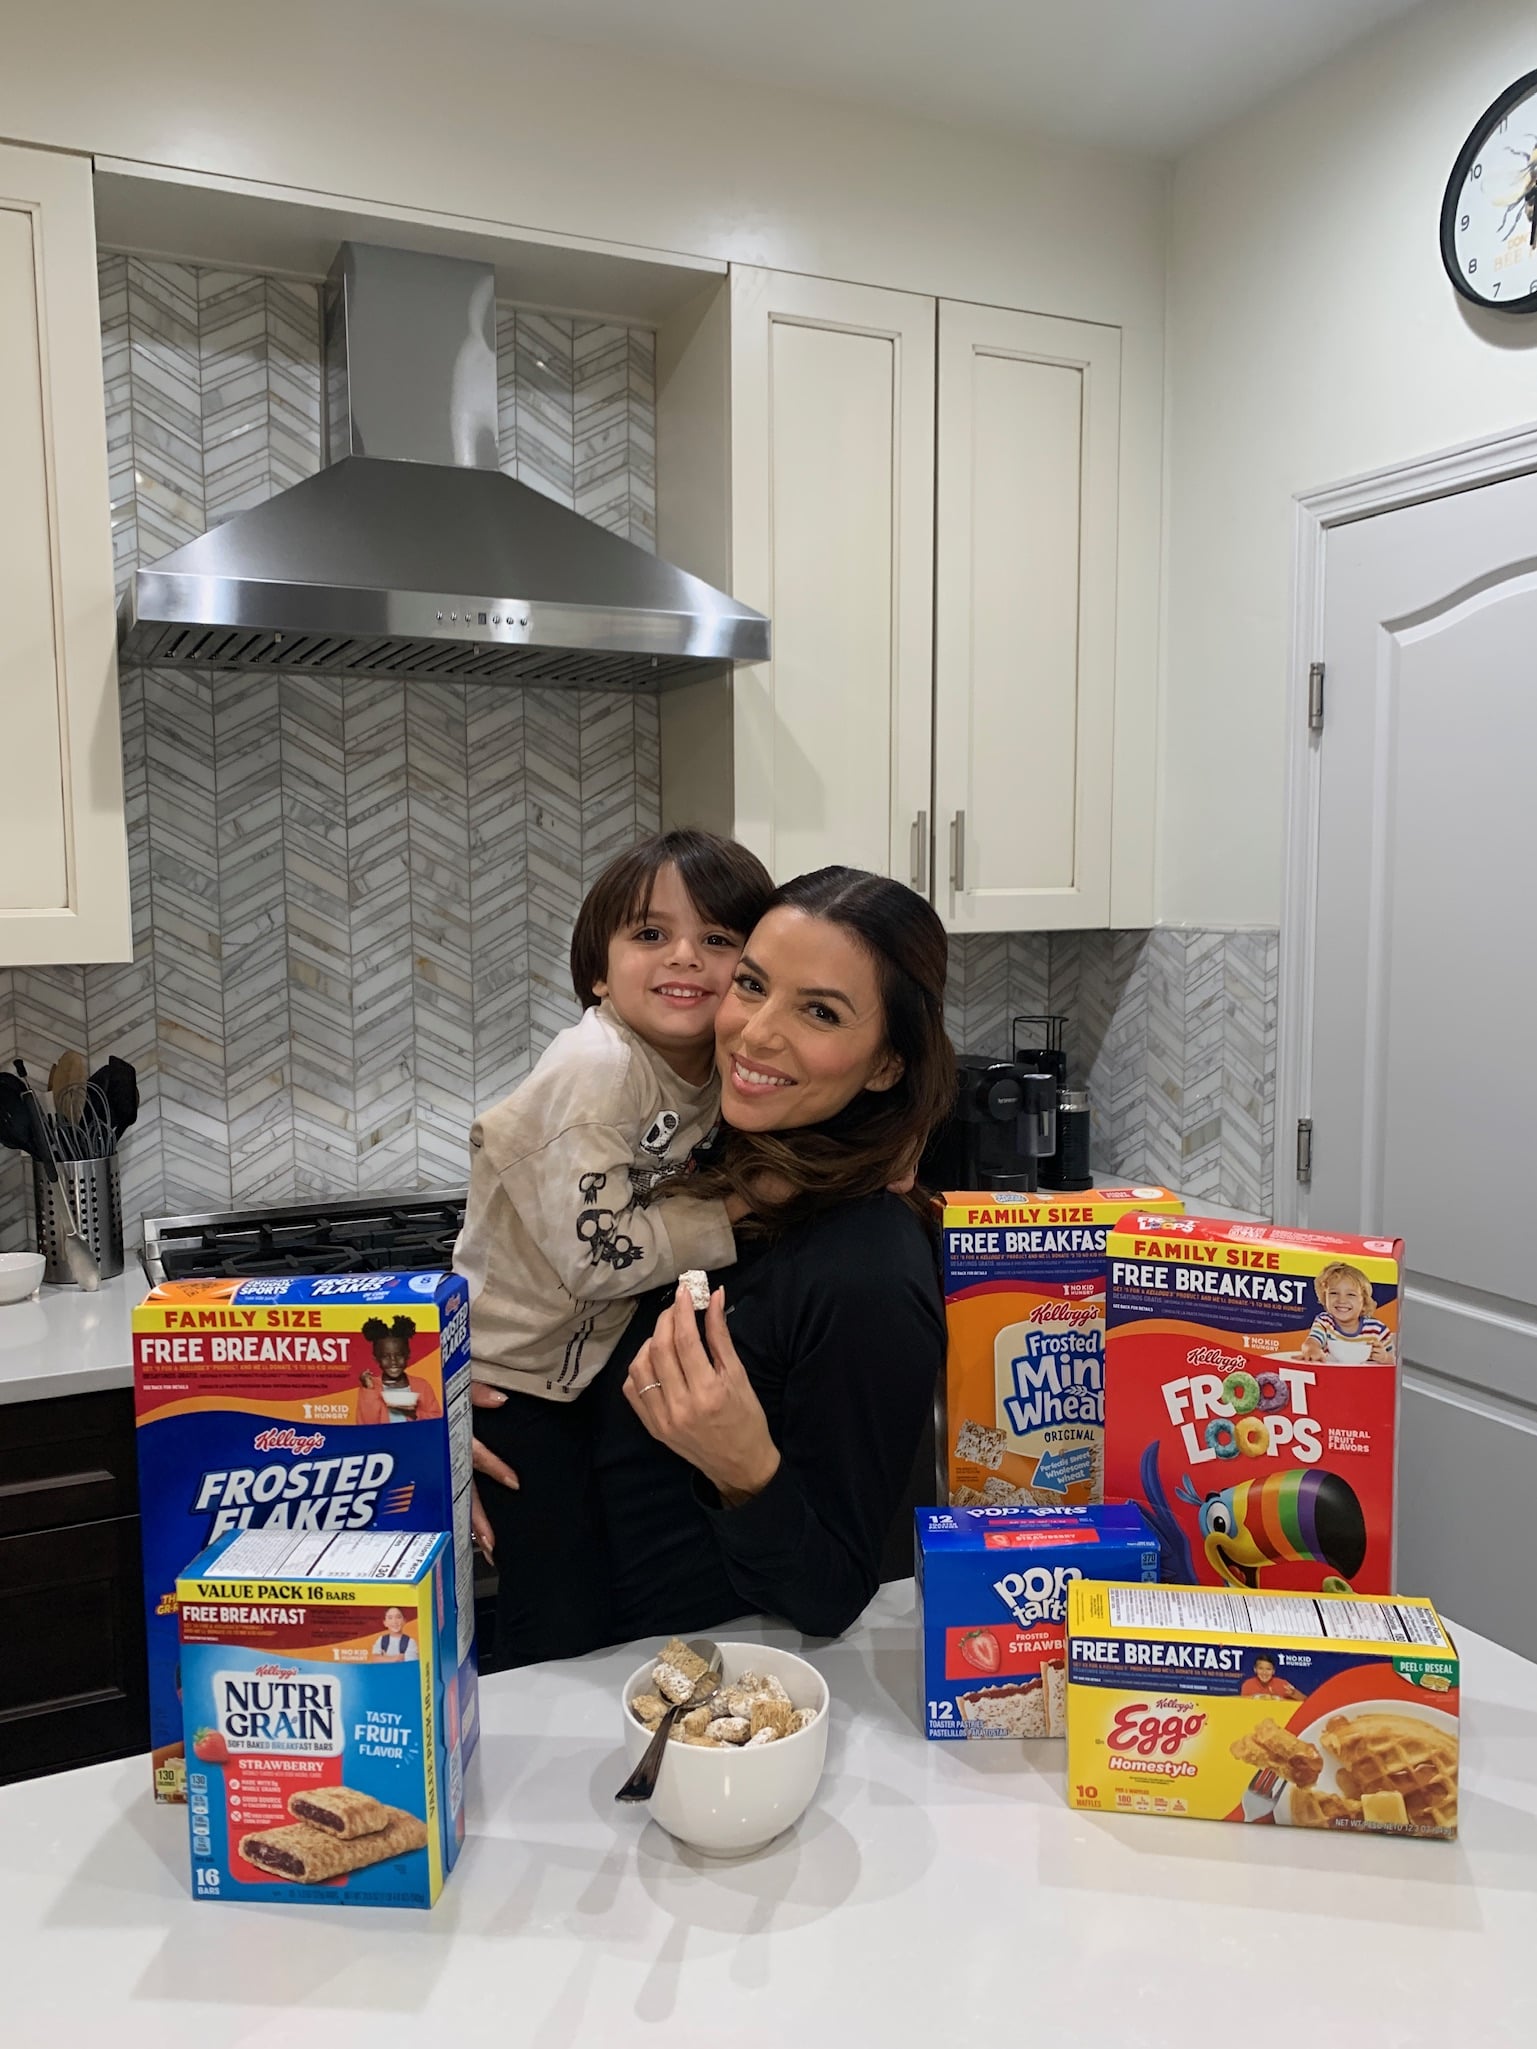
1025	1305
319	1404
1303	1711
320	1698
992	1608
1251	1398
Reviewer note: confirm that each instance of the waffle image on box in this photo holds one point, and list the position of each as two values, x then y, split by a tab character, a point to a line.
308	1404
1251	1400
320	1693
992	1606
1025	1309
1311	1711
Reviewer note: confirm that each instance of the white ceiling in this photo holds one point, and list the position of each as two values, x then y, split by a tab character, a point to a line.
1149	75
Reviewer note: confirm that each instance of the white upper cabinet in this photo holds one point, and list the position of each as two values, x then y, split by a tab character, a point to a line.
63	851
1025	618
832	525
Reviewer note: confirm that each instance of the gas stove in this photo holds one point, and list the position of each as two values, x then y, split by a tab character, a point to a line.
365	1234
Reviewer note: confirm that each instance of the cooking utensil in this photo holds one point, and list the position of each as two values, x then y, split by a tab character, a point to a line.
66	1084
641	1783
17	1129
119	1085
83	1270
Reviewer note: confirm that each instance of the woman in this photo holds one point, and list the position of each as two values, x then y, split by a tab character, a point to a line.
755	1460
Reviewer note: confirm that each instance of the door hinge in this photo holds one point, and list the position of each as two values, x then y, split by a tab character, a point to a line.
1304	1148
1315	697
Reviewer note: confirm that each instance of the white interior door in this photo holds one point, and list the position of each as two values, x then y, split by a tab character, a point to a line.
1025	617
1424	1057
832	492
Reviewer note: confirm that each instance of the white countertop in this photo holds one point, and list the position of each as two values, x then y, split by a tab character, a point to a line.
936	1893
67	1342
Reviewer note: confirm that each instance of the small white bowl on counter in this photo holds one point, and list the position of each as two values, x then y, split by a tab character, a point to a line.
21	1275
727	1800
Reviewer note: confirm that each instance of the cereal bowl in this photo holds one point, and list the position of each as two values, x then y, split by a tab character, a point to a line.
724	1800
21	1275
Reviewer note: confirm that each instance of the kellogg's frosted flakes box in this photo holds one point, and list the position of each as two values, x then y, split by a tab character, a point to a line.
1305	1711
1251	1400
320	1681
992	1604
312	1404
1025	1305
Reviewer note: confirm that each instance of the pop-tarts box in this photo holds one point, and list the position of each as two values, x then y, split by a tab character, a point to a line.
312	1404
992	1607
320	1701
1025	1373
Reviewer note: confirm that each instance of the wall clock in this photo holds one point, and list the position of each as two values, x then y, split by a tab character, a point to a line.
1489	214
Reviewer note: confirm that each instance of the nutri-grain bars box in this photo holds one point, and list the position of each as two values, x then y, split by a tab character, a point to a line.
1025	1304
1251	1400
308	1404
320	1694
992	1602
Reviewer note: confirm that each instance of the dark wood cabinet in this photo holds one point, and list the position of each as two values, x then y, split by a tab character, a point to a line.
72	1678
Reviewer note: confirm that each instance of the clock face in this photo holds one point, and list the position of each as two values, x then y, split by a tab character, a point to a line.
1489	215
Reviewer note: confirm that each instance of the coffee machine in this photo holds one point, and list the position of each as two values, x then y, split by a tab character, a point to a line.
1003	1124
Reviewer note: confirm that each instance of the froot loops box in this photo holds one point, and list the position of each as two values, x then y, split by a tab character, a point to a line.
1251	1400
1300	1711
320	1693
992	1607
1025	1305
313	1405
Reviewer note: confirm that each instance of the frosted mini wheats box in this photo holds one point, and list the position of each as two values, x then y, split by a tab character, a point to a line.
312	1405
1025	1378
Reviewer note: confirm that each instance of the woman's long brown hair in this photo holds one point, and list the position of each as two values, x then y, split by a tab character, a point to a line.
877	1138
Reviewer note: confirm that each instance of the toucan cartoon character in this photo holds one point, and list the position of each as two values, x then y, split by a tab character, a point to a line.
1301	1515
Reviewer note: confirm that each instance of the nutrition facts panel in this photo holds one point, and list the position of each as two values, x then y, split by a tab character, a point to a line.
359	1554
1275	1615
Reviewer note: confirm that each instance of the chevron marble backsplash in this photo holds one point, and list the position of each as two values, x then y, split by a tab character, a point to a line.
352	899
1174	1032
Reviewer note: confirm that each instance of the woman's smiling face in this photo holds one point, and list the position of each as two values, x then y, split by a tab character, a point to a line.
802	1029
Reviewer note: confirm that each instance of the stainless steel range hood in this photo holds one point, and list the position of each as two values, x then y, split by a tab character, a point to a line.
411	554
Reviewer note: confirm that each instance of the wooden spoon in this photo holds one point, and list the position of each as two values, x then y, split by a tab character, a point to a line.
66	1084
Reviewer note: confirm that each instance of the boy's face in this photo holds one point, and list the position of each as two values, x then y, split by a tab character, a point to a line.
667	972
1343	1299
1264	1671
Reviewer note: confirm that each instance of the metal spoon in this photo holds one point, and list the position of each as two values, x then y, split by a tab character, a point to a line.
641	1783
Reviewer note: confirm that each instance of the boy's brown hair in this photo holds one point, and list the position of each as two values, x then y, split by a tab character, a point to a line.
726	882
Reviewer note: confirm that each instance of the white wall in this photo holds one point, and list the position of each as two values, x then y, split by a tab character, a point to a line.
1312	334
409	105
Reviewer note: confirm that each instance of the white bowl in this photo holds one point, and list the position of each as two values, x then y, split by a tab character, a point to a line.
21	1275
726	1800
1350	1351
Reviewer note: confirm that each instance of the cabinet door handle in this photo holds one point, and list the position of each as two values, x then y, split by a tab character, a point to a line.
920	852
958	852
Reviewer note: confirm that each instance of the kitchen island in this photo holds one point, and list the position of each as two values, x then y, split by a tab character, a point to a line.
934	1891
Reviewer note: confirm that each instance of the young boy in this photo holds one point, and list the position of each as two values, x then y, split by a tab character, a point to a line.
1344	1296
558	1235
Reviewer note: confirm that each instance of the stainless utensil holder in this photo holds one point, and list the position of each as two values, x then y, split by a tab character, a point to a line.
96	1197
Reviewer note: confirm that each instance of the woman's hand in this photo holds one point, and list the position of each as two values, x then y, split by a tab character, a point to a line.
700	1403
486	1461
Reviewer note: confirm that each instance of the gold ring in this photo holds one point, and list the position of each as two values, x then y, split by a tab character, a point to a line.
650	1384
